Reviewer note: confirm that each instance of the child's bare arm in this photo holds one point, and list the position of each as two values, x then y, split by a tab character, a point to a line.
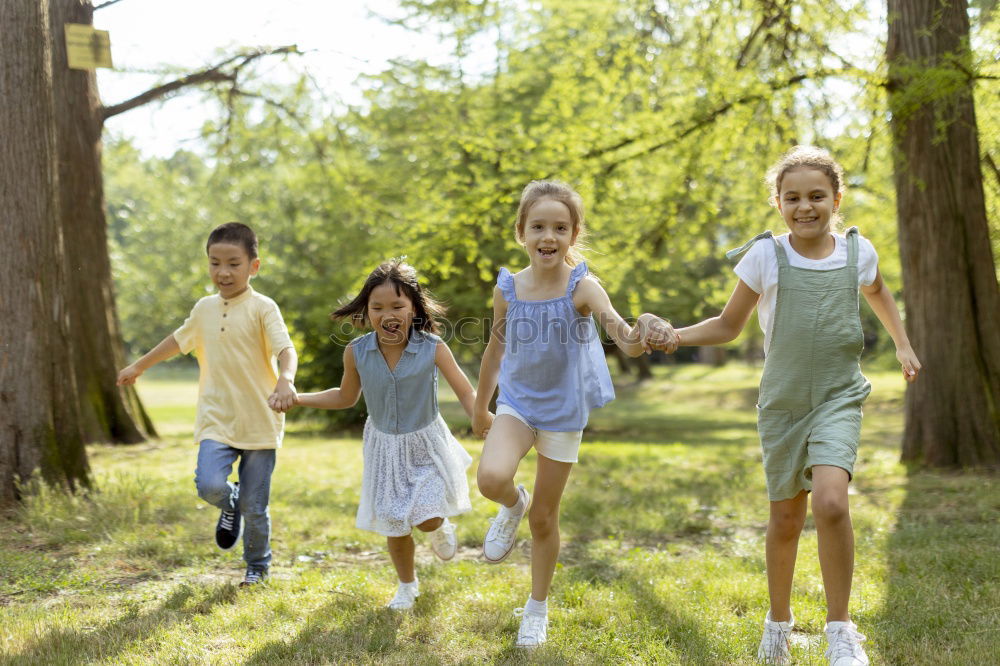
489	370
346	395
453	374
728	325
283	398
167	348
631	340
884	307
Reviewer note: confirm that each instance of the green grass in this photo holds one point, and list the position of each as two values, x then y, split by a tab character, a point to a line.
663	560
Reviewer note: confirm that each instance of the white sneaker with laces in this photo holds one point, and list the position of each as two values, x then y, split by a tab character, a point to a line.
502	534
845	644
532	631
443	541
406	596
773	648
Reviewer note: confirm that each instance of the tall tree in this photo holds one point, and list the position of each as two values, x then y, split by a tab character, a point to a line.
59	332
39	422
109	413
951	295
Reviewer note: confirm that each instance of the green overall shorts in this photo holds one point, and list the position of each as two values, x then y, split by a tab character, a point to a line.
812	389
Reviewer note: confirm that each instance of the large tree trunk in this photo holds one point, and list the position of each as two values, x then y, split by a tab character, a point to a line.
108	413
951	294
39	423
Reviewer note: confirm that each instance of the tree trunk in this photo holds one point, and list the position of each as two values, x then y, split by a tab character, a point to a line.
951	295
108	413
39	423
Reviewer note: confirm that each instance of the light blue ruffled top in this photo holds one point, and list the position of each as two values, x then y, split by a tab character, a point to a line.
553	370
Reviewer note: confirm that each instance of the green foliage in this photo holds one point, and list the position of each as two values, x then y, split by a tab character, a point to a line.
665	116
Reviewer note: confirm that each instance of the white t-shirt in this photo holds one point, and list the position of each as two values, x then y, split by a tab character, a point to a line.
759	270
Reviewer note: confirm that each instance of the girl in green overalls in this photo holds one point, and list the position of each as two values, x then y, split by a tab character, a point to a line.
805	286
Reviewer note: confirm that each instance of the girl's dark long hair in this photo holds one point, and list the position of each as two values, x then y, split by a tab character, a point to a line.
403	277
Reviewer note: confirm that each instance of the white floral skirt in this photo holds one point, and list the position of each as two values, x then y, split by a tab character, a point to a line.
411	478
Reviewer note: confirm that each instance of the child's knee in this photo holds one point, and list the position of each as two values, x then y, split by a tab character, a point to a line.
491	483
430	524
542	521
213	492
786	524
830	507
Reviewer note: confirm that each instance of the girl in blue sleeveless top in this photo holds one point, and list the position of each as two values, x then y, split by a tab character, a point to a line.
414	469
805	286
545	354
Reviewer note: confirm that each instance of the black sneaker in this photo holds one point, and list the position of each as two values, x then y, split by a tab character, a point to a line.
227	530
253	577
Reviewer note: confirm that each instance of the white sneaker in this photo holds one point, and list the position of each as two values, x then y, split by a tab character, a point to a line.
443	541
532	631
773	648
406	595
845	644
502	534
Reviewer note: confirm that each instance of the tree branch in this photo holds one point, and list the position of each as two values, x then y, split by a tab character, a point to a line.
106	4
993	166
216	74
708	118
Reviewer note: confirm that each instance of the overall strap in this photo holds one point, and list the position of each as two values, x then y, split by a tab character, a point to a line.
737	253
852	246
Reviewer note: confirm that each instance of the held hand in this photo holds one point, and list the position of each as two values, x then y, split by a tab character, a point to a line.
481	423
128	376
910	363
283	398
657	333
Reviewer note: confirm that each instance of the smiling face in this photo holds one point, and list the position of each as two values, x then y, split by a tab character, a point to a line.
807	203
548	232
231	268
390	314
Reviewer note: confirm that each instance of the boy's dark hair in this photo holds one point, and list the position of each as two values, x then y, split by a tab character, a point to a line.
234	233
403	277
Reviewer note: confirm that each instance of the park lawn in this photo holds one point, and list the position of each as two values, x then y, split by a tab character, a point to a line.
663	551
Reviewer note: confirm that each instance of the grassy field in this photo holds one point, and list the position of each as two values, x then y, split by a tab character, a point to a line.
663	555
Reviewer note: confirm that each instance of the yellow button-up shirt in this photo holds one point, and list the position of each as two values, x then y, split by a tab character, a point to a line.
237	342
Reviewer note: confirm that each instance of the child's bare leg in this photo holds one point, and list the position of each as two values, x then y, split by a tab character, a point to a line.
835	534
401	551
507	442
430	524
543	517
783	529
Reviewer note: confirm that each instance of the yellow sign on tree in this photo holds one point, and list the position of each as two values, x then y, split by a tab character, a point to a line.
87	48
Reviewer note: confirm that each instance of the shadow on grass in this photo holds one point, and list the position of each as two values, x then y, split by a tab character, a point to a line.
652	502
105	642
942	604
370	632
644	428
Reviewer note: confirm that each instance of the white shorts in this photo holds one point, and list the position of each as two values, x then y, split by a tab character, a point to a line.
558	446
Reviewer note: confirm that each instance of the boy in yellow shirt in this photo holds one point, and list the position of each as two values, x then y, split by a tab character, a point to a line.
236	335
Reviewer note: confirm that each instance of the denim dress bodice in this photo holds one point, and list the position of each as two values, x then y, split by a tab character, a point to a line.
403	399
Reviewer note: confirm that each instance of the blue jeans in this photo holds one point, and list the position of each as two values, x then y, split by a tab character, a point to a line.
215	463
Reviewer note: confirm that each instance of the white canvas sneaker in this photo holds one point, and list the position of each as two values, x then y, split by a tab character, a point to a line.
774	648
533	628
406	596
443	541
502	534
845	648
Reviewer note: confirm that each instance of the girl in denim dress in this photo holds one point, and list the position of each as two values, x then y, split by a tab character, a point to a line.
414	469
